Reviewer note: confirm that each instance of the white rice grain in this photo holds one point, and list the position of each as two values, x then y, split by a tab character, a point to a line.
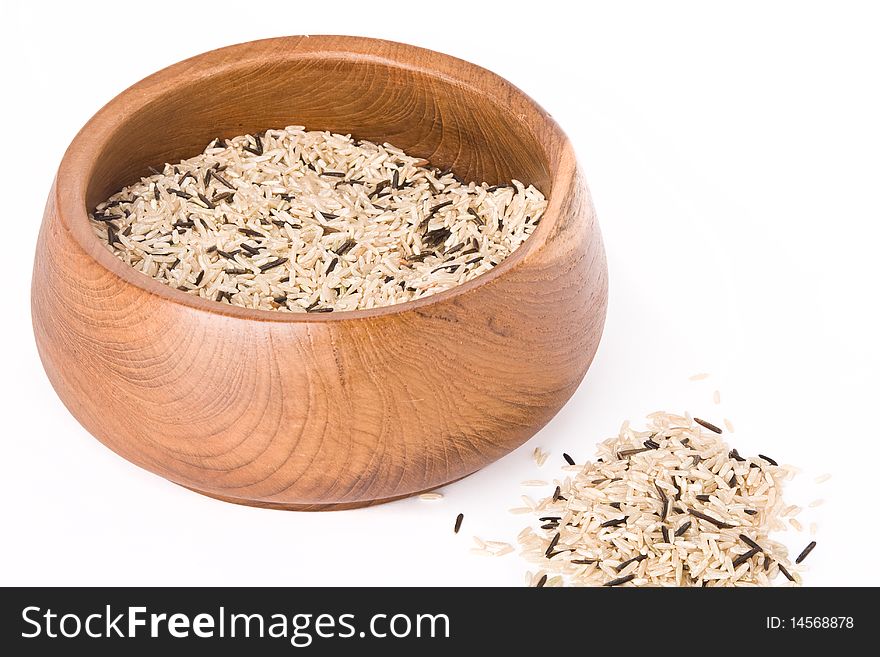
540	456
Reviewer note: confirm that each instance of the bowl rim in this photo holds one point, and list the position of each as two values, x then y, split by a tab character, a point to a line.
77	165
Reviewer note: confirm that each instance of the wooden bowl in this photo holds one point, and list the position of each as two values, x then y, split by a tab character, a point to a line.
333	410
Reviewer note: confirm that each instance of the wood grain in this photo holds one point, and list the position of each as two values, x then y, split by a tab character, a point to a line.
332	410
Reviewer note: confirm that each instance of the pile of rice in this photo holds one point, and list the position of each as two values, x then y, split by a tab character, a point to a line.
303	221
673	505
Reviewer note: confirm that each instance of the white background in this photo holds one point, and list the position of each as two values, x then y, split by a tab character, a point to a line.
733	151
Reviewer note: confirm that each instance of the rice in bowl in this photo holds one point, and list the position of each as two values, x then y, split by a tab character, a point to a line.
307	221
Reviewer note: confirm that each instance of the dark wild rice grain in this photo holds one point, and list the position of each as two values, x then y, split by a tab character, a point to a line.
709	519
636	559
748	541
707	425
741	559
274	263
784	571
806	551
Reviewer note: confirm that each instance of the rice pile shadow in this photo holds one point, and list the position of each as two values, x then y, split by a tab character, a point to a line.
308	221
673	505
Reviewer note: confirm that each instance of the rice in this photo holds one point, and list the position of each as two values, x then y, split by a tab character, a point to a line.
672	505
540	456
491	548
308	221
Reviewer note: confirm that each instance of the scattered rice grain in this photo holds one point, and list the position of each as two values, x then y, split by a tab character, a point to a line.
806	551
540	456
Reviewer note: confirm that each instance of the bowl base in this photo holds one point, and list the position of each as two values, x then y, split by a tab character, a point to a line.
340	506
